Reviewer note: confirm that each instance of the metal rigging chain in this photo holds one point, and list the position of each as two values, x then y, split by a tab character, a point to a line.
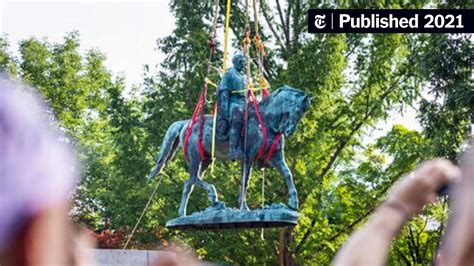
260	51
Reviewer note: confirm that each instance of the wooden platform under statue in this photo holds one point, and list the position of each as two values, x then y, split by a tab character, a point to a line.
221	217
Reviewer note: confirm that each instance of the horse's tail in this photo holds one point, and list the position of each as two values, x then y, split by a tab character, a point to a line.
168	147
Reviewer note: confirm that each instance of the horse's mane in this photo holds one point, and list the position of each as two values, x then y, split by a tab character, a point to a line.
273	97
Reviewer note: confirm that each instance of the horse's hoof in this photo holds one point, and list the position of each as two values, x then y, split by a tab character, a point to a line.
219	205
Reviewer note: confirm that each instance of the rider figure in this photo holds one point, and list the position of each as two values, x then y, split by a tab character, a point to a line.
231	101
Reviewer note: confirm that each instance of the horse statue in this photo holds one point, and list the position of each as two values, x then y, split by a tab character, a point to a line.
281	112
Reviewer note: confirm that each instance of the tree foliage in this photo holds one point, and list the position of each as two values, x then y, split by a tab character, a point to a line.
341	174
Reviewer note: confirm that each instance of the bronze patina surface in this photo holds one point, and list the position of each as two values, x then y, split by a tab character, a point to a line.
218	218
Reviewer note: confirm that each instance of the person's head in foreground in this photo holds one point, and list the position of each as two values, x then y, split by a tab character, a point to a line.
36	177
371	244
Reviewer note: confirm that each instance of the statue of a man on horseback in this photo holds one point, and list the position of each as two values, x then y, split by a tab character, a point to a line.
281	112
231	104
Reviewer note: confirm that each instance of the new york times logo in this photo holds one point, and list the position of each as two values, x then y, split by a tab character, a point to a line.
390	21
319	21
377	22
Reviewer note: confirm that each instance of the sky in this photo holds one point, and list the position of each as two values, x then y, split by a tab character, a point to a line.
126	31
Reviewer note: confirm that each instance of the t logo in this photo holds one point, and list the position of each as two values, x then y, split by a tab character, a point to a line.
319	21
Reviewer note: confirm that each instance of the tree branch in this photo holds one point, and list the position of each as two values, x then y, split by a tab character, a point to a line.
407	261
283	24
346	229
339	149
412	245
296	24
269	22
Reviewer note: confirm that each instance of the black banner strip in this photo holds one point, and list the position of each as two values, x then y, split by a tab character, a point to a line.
391	20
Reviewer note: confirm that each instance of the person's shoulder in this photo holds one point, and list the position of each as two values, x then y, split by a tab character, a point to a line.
226	79
229	74
232	71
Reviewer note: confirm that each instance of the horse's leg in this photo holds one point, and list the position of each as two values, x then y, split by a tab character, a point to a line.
245	178
188	188
211	190
280	164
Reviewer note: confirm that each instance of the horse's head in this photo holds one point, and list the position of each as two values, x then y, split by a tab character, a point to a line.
286	105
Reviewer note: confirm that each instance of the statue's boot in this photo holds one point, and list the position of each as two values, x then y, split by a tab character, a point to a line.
235	151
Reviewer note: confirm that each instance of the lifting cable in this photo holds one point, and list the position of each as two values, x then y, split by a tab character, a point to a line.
260	48
246	44
201	105
250	97
224	66
144	210
200	109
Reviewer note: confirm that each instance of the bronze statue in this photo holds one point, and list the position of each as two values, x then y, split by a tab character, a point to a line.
276	117
281	111
231	104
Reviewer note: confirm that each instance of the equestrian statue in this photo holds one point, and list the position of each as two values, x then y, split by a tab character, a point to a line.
280	111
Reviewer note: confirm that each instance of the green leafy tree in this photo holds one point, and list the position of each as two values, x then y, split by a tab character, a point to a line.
7	62
447	112
356	81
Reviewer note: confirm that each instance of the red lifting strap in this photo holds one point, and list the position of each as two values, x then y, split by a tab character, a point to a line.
262	125
198	110
202	153
273	147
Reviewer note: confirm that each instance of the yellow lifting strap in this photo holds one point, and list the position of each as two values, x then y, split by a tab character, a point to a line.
208	81
224	66
226	34
250	87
